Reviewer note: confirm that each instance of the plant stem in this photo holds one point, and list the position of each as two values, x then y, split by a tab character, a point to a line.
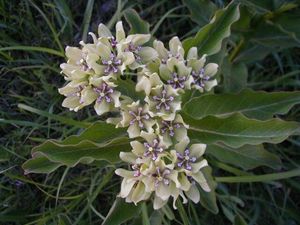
259	178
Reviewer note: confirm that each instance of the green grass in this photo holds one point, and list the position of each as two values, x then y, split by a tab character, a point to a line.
32	40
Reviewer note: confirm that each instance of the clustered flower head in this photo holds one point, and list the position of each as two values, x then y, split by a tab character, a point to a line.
163	163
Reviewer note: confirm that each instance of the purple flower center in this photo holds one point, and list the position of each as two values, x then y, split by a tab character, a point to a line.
200	78
185	160
135	50
136	169
177	81
161	176
170	55
139	117
113	42
163	100
83	64
153	149
104	92
112	65
169	127
77	93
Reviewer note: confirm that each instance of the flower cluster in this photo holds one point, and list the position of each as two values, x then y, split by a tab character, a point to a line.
162	161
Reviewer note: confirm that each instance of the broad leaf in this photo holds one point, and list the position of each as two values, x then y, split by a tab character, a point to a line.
99	142
127	88
83	152
120	212
235	76
273	31
201	10
137	25
253	104
40	164
98	132
246	157
208	199
237	130
209	38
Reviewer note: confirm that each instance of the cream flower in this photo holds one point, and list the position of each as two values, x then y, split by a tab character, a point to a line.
163	180
107	98
172	130
138	118
146	81
202	75
77	66
134	44
176	74
189	160
153	148
133	188
175	50
130	49
163	102
76	95
163	164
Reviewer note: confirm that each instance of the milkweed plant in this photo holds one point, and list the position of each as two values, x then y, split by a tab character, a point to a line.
158	105
163	162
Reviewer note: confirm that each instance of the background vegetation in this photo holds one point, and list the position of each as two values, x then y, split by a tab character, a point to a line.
262	53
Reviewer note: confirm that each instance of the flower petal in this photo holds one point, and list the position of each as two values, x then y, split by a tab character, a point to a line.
184	182
211	69
147	54
181	146
163	191
137	148
103	31
126	187
128	157
158	203
197	150
120	34
199	177
192	53
134	131
193	194
101	107
210	84
199	165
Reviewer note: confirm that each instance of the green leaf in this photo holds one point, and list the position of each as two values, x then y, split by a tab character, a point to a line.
208	199
182	212
246	157
201	10
40	164
238	220
237	130
120	212
99	142
87	18
235	76
98	132
260	178
209	38
253	104
84	152
272	32
137	25
127	88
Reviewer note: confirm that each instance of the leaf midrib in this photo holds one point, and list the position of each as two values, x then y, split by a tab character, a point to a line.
234	135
